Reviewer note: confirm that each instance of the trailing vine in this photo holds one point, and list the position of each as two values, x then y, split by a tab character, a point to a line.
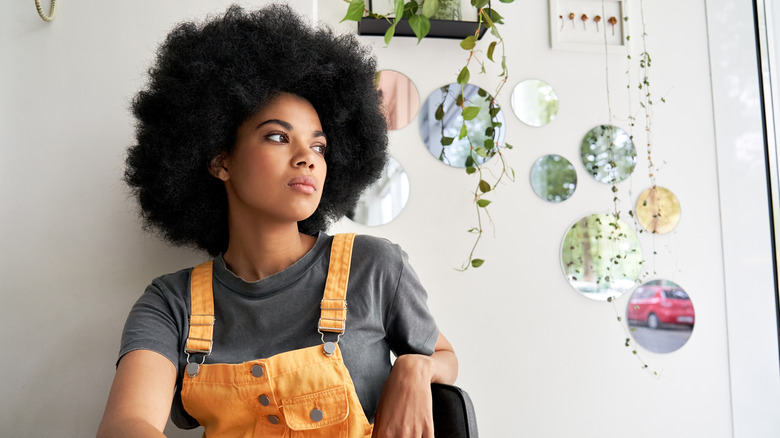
645	103
419	16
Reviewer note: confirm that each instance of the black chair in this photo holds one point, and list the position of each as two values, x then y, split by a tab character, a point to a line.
453	412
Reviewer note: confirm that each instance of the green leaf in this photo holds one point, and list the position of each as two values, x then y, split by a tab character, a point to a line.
470	161
508	146
446	141
389	33
491	48
399	10
470	112
463	132
488	143
483	203
482	152
506	1
489	131
355	10
486	18
463	76
420	25
440	112
496	17
459	100
494	111
430	7
411	9
481	92
471	169
469	42
484	186
479	4
477	263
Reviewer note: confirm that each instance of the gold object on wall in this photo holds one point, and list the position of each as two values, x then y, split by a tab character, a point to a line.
658	210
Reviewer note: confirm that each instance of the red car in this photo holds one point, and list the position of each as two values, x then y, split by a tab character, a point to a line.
655	304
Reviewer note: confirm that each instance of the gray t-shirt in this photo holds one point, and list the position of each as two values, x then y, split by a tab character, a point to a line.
386	304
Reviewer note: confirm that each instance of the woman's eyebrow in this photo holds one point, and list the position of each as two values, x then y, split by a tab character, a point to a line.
283	124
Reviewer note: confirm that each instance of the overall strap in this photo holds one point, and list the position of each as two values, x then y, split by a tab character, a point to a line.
200	339
333	308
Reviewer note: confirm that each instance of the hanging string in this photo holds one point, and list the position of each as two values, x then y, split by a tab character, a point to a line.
52	10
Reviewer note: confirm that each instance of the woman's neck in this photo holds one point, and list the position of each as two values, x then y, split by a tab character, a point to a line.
258	251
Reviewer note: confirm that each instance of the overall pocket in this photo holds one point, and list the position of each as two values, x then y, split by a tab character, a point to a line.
322	414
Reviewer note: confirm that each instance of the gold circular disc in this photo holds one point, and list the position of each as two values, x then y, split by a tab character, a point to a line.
658	210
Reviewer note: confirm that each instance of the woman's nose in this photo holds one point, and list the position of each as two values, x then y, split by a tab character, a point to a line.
303	156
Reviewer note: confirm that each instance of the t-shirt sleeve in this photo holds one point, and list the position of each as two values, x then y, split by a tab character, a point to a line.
153	323
410	327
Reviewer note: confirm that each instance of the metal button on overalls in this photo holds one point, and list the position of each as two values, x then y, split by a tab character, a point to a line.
264	400
257	371
300	393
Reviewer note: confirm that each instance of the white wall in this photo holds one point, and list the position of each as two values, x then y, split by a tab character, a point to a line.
538	359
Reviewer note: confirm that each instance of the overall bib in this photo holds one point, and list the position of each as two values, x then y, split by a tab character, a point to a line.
299	393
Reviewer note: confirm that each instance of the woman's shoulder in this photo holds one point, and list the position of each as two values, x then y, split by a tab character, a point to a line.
174	284
378	253
372	246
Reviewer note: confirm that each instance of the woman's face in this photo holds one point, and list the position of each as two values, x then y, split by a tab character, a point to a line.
277	169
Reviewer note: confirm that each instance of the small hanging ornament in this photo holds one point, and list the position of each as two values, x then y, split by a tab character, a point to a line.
571	18
597	18
584	21
613	21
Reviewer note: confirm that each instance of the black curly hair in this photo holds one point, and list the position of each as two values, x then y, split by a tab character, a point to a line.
209	78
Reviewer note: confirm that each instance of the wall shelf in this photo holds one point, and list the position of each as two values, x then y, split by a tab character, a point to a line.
439	28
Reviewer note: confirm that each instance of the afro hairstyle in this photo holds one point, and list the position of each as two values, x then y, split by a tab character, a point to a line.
209	78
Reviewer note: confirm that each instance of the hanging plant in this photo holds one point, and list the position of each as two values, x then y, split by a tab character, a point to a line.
419	15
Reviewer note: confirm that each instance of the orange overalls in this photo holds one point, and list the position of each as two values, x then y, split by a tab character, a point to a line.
299	393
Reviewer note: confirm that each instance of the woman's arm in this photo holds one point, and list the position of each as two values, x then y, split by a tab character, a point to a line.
140	399
406	408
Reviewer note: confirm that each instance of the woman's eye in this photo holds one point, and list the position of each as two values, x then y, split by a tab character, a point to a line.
320	148
277	137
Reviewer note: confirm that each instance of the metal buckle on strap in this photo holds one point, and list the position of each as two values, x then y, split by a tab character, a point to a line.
194	350
325	304
202	320
339	330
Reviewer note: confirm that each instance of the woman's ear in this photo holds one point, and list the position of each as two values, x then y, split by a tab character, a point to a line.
218	169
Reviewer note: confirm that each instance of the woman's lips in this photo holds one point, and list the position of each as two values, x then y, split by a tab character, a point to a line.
305	184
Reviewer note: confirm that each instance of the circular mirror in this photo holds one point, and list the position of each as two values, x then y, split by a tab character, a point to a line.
534	102
661	316
383	200
658	210
449	138
553	178
608	154
601	256
400	100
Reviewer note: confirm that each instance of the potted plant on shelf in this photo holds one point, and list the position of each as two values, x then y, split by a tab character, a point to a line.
425	19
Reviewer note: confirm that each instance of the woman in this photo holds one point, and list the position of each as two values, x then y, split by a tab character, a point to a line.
254	133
